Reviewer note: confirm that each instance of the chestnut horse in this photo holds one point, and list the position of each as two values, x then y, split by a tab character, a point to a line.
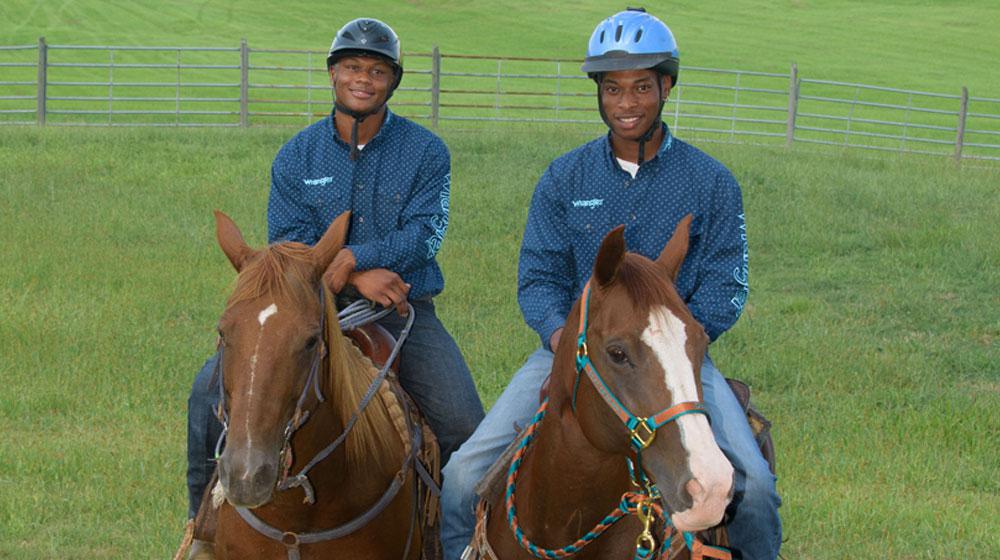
622	445
321	455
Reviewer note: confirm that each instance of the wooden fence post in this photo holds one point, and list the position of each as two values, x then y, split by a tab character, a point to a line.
962	114
793	104
435	86
43	66
244	84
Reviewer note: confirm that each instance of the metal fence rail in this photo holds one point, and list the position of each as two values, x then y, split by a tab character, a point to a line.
77	85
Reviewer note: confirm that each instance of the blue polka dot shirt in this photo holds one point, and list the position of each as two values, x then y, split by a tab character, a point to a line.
398	191
585	193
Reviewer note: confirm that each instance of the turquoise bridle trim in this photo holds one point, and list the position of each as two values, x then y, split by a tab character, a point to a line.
635	424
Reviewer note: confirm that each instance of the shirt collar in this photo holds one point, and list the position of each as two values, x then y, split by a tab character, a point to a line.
387	122
668	142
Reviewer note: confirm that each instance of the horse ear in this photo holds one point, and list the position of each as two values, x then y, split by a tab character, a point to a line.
673	254
609	256
332	241
231	240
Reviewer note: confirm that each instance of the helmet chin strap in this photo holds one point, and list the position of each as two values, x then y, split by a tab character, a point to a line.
648	135
359	117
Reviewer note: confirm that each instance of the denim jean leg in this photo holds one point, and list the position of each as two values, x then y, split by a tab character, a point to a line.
204	430
512	411
754	526
434	373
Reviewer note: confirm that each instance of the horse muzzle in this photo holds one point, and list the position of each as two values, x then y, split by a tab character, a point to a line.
248	477
709	499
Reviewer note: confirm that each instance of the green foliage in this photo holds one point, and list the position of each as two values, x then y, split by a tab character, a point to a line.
870	337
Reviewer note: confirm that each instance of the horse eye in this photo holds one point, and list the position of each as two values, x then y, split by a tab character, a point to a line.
617	354
312	342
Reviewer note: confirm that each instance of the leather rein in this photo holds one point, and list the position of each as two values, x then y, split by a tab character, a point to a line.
355	315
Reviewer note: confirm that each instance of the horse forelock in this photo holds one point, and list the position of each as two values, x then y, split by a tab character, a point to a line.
283	270
650	290
646	285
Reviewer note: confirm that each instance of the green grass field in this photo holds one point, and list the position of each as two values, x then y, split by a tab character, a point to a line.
870	337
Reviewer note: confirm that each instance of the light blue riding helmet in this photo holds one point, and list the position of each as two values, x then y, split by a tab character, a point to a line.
632	40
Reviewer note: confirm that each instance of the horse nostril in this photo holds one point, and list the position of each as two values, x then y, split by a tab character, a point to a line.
694	489
264	477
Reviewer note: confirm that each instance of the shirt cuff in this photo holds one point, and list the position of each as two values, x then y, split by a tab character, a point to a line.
364	257
549	326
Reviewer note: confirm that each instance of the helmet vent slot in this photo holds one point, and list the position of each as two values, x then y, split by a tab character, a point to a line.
638	35
618	33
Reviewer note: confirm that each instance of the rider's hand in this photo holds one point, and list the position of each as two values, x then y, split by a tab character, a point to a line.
382	286
339	271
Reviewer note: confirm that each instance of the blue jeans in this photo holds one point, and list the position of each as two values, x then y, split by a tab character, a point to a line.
432	370
754	527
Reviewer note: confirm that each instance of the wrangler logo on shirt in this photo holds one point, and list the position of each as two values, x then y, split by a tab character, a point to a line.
592	203
318	182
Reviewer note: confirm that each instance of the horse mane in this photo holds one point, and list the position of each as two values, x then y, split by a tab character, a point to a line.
286	269
270	270
350	374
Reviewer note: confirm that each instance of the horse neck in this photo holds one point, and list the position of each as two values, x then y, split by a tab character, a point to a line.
565	483
373	452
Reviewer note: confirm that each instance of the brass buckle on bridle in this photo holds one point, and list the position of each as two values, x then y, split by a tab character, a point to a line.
651	434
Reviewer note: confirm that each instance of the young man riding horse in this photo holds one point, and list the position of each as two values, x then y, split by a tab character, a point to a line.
641	176
395	178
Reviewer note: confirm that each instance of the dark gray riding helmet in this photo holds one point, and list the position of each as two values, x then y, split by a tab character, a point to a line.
367	37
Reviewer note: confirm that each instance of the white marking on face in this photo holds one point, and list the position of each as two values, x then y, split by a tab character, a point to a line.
262	318
666	335
266	313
